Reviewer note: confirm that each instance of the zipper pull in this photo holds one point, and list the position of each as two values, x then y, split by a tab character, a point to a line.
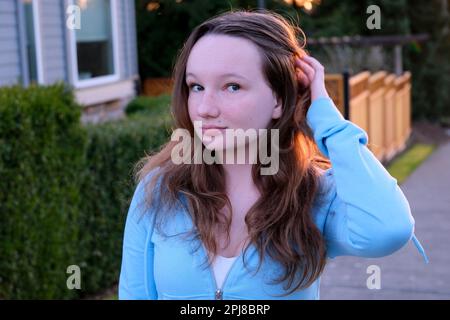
219	294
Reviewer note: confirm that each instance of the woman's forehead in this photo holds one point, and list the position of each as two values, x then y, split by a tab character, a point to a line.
223	55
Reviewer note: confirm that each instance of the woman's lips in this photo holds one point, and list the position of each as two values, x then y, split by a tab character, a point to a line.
212	131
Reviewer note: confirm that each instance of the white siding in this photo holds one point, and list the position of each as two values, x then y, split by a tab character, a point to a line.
52	22
10	68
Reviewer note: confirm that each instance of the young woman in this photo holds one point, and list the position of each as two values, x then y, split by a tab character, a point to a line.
224	230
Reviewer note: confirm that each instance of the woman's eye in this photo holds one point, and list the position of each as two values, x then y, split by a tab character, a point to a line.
195	87
192	86
235	86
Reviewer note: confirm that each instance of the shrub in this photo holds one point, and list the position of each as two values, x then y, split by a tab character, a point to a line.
154	106
41	158
112	151
65	191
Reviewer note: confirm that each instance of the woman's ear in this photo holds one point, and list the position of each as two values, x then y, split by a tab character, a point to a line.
277	111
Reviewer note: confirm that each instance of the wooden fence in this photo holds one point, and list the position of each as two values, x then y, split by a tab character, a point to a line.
380	104
156	86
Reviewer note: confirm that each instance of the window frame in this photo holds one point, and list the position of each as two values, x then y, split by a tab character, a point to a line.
26	64
115	51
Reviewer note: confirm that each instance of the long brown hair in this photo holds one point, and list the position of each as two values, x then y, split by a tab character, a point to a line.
280	223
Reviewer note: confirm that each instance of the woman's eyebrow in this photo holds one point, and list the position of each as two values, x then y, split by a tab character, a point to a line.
221	76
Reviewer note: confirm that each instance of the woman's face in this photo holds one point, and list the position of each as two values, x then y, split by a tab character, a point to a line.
227	88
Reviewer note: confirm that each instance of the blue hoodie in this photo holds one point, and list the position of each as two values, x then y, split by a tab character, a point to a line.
364	214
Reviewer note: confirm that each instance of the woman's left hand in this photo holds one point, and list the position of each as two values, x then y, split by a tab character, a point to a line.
312	74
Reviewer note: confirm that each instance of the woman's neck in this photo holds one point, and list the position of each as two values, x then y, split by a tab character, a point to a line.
238	174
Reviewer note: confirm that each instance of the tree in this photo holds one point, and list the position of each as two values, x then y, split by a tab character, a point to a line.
164	25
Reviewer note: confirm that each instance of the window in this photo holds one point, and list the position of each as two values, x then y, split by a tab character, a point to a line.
95	43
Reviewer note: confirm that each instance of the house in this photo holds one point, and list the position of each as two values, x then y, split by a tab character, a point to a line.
90	44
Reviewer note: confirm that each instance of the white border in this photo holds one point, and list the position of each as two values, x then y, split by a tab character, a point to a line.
37	43
73	56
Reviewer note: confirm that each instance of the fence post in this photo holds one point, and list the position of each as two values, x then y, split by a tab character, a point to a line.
346	76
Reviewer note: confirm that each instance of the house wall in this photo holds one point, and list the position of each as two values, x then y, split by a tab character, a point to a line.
53	40
127	35
10	62
56	53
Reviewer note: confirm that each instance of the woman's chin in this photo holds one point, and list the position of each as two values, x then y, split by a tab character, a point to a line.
213	143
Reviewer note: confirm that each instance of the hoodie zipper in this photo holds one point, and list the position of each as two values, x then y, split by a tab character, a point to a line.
218	292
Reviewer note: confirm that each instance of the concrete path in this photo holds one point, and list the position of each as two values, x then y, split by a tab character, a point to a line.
404	275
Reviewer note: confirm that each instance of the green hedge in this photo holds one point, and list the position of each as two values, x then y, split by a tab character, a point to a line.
113	150
152	106
64	191
41	152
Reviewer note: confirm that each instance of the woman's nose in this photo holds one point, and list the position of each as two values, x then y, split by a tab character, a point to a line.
208	106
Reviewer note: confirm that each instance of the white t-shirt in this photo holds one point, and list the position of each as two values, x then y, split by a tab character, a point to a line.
221	266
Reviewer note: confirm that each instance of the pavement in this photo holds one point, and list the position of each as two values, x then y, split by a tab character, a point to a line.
404	274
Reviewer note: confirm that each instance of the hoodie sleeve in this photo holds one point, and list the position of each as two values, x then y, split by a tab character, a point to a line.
368	214
136	280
